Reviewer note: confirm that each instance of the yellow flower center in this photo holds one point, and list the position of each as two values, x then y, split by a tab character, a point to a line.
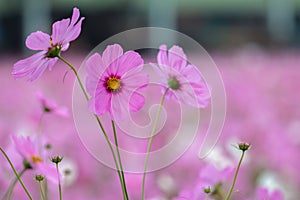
113	84
36	159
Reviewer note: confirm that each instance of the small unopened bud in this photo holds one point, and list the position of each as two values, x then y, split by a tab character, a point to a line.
56	159
39	178
207	190
48	146
67	172
26	164
46	109
244	146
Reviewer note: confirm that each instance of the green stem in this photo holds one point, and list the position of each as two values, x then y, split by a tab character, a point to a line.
151	140
120	161
41	190
235	176
16	173
8	194
96	117
46	189
59	183
39	133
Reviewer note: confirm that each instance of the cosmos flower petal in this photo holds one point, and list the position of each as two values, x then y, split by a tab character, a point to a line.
110	55
43	65
75	16
135	79
94	69
177	58
25	146
127	62
136	102
49	171
120	106
100	102
191	73
59	30
162	57
74	32
38	41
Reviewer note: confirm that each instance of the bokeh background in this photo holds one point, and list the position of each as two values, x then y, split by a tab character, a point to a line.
256	46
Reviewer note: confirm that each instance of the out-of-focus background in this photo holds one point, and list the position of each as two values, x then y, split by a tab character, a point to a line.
215	24
256	46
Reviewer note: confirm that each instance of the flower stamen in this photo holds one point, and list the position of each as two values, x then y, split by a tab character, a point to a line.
113	84
36	159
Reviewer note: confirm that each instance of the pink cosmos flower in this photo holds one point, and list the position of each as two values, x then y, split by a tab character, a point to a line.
114	82
50	106
28	149
211	179
264	194
183	79
63	32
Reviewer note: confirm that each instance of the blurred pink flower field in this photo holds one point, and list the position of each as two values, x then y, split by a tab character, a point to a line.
263	98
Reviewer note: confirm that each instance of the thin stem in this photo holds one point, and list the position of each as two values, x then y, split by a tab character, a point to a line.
41	190
120	161
59	183
235	176
46	189
96	117
39	132
151	140
16	173
8	193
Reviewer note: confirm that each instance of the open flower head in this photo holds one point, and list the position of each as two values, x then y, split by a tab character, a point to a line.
28	149
49	106
49	47
114	82
183	79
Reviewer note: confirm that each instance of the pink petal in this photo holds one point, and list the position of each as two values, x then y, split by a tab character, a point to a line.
110	54
73	32
26	66
38	41
137	101
120	106
61	111
177	58
39	70
186	94
75	15
48	171
202	93
277	195
25	146
135	79
65	46
127	62
162	58
59	29
191	73
100	102
94	69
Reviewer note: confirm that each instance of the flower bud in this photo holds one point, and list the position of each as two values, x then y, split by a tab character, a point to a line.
56	159
207	190
39	178
244	146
